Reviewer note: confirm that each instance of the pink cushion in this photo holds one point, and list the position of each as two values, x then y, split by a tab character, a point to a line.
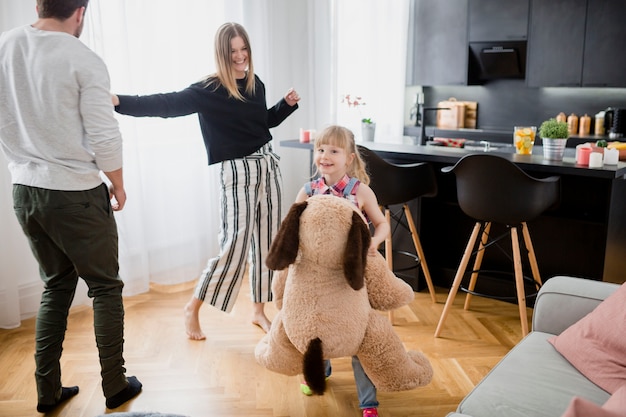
596	344
617	402
614	407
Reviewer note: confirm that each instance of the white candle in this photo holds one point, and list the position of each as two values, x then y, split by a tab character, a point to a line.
595	160
611	156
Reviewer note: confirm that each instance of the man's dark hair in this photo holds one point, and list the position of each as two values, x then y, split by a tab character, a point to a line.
59	9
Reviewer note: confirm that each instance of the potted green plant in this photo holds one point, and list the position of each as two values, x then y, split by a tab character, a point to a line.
368	129
554	136
368	126
553	129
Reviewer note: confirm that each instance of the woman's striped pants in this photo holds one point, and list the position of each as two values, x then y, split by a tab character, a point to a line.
250	211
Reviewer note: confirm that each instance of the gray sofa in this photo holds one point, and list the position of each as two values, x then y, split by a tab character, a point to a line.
533	379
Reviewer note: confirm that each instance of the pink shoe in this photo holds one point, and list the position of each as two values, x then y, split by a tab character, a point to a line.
370	412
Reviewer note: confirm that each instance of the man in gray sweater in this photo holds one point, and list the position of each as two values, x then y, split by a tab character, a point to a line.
58	132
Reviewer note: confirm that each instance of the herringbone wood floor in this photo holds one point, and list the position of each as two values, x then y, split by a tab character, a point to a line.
219	376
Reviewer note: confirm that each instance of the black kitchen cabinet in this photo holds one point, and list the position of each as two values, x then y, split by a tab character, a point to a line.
555	45
604	61
498	20
574	43
440	51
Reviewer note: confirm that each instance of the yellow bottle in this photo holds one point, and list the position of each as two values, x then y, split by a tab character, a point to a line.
599	126
584	125
572	124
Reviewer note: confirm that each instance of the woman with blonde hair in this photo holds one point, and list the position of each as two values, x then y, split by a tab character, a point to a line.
235	122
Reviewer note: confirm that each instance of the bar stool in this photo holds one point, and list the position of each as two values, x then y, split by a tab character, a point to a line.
398	184
492	189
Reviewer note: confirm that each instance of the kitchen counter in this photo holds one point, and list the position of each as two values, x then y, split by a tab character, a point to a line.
494	135
584	236
534	162
407	153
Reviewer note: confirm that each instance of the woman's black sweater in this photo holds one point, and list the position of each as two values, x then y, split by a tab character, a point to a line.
230	128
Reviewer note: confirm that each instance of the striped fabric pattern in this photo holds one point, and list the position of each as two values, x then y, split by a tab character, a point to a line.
251	198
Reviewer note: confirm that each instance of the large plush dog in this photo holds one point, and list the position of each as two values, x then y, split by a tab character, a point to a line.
327	290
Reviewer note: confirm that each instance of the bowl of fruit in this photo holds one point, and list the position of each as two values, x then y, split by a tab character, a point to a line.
599	146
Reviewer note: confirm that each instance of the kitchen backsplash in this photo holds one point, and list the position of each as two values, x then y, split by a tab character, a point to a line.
505	103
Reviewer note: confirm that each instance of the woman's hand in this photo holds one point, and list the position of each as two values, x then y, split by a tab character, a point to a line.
115	100
292	97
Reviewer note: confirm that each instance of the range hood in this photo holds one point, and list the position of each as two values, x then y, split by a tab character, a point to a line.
496	60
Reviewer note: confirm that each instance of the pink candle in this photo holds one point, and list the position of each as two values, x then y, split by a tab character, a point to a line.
305	136
582	155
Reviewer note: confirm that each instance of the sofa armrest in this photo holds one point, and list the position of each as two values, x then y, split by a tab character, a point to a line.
562	301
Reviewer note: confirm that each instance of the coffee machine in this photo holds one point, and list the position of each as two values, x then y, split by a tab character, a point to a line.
615	122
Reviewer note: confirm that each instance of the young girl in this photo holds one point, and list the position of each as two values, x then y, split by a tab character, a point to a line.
342	173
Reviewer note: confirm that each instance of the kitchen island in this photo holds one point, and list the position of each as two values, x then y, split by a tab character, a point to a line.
585	235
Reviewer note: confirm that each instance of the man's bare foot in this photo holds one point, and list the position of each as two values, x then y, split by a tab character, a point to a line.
192	322
262	321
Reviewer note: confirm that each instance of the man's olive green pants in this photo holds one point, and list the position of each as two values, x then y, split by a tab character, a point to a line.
73	234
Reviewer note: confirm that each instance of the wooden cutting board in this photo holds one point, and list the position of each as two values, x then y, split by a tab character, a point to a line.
461	114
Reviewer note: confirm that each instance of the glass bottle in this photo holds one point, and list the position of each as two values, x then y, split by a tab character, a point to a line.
572	124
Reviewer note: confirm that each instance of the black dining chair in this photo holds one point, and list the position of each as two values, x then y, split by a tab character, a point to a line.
396	184
492	189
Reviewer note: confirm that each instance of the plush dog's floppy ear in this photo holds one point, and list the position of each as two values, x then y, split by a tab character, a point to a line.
356	252
284	247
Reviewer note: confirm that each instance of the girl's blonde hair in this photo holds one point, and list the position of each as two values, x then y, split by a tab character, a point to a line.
342	137
224	62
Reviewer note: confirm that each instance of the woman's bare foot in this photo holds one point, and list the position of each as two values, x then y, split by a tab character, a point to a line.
259	318
263	322
192	320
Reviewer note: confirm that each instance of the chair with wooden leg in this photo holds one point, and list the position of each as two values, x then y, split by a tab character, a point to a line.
493	190
398	185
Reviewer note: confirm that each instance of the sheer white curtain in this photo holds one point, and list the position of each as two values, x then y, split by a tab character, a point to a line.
370	46
169	227
20	286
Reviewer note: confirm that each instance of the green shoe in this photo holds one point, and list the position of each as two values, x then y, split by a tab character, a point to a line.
305	388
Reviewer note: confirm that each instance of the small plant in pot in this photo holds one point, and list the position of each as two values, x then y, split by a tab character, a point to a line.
368	129
553	129
554	136
368	126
